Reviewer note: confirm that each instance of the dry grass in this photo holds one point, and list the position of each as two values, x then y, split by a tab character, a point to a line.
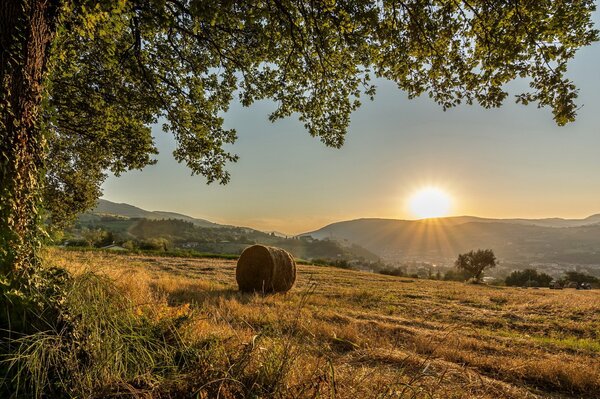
348	334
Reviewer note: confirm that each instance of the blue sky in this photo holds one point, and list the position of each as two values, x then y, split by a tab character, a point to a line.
507	162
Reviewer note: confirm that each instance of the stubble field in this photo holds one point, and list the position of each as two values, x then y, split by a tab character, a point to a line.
349	334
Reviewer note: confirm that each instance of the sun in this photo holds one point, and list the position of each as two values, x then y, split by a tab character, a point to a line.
430	202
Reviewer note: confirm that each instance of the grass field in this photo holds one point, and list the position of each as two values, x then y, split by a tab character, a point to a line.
348	334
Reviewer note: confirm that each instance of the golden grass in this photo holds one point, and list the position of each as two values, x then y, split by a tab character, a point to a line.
348	334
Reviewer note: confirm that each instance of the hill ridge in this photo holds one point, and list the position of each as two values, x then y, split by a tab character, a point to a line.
565	241
104	206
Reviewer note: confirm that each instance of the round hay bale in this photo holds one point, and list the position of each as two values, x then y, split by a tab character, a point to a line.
265	269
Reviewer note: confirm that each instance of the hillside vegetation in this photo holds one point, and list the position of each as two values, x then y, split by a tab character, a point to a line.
181	234
349	334
104	207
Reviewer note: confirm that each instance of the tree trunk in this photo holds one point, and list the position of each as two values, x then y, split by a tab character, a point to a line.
27	28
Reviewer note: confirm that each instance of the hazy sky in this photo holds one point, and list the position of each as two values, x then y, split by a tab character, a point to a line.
507	162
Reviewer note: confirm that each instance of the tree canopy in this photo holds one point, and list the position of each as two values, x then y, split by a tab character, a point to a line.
475	262
117	67
579	277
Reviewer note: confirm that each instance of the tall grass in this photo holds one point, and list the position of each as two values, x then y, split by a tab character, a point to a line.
97	344
94	341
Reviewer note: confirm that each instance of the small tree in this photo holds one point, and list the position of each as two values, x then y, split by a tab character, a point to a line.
475	262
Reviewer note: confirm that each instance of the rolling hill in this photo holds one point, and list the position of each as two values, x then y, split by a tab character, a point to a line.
105	207
550	240
544	240
126	222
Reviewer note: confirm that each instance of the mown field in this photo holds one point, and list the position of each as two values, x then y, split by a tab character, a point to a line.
348	334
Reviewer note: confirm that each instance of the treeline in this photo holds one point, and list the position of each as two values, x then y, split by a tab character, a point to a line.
98	238
533	278
518	278
528	278
180	231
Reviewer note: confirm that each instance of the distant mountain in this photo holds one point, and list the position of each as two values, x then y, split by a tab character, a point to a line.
593	219
547	240
548	222
105	207
523	240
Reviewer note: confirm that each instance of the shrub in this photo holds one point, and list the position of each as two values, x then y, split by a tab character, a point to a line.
393	271
154	244
457	275
77	242
339	263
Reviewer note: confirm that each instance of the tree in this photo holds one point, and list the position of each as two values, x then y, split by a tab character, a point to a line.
528	278
82	81
579	277
475	262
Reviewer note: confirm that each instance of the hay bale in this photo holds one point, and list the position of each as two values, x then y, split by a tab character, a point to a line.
265	269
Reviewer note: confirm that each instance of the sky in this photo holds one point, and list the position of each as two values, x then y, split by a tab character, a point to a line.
513	161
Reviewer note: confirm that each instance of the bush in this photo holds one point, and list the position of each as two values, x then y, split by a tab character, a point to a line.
393	271
154	244
340	263
457	275
77	242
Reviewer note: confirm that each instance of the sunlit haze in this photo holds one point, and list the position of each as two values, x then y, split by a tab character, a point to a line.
430	202
513	161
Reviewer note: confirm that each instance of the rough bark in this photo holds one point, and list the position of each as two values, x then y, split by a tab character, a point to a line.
27	28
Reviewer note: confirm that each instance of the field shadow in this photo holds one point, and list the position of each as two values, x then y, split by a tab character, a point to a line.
202	296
